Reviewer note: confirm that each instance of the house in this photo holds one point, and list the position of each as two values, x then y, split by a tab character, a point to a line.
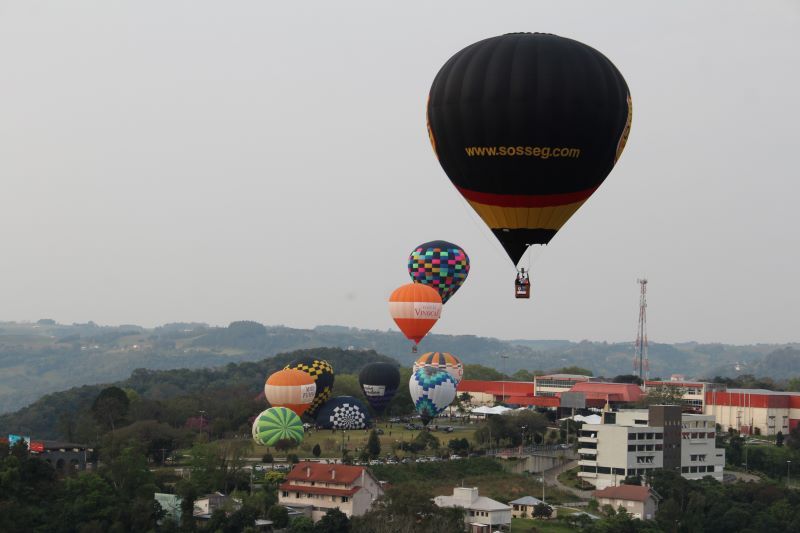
481	514
638	501
315	488
523	507
205	506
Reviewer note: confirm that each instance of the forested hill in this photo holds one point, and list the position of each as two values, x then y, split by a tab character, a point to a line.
43	357
50	416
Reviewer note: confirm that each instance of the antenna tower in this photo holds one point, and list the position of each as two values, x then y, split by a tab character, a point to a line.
641	365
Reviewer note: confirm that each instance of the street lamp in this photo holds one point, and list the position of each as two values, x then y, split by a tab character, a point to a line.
788	473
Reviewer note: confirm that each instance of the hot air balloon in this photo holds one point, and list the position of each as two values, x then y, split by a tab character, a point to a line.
277	423
442	361
379	381
415	308
432	390
343	412
322	373
293	389
441	265
527	127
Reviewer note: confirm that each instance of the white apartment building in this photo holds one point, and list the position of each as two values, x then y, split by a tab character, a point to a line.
315	488
636	441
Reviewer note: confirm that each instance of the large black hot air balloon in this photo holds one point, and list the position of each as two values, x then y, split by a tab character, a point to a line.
380	382
527	126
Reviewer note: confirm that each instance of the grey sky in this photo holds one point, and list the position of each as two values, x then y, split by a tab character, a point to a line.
213	161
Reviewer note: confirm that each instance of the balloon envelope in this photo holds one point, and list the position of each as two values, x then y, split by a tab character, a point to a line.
322	373
380	382
432	390
527	127
440	265
277	423
343	412
442	361
415	308
290	388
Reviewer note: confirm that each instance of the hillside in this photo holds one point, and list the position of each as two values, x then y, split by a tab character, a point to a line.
49	416
40	358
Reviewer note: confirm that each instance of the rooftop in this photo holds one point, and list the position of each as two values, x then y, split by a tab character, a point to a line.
336	473
610	392
468	498
526	500
636	493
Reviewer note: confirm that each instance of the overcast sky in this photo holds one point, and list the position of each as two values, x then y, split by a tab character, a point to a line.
215	161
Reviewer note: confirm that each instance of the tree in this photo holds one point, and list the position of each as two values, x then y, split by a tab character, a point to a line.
334	521
483	373
279	516
110	407
628	378
542	510
301	524
574	370
284	445
267	458
317	451
373	445
779	439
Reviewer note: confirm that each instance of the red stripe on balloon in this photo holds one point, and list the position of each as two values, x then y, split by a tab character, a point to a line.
526	200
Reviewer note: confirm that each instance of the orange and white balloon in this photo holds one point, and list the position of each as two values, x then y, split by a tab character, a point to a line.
290	388
415	308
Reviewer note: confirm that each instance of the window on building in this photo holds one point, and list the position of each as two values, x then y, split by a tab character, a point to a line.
659	447
618	471
640	422
685	469
297	494
345	499
693	469
285	494
631	436
631	447
603	469
659	435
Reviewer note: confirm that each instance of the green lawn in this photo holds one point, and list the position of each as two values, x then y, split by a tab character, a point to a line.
521	525
570	479
330	442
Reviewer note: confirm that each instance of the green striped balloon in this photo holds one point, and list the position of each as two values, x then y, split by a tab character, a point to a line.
277	423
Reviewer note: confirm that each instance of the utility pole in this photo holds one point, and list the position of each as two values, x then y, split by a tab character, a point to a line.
788	473
201	420
641	365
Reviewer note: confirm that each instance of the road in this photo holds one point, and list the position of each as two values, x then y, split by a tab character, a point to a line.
551	478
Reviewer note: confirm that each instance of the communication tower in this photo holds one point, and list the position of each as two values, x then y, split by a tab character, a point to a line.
640	363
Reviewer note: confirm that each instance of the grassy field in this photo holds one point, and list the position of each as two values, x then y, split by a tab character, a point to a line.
521	525
330	442
485	473
570	479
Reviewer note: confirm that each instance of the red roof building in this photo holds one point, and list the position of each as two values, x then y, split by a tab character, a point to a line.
315	488
598	394
491	392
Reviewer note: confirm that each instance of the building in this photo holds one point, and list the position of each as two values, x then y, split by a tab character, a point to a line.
481	514
315	488
638	501
205	506
491	392
754	411
636	441
523	507
692	393
552	384
602	395
170	504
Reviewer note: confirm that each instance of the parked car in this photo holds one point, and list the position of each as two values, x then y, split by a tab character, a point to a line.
449	429
379	431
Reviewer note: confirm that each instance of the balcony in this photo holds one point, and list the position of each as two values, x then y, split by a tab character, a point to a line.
592	440
587	474
587	462
587	451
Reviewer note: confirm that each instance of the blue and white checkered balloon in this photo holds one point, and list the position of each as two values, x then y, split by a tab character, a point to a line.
432	390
